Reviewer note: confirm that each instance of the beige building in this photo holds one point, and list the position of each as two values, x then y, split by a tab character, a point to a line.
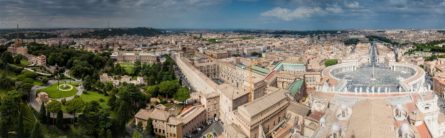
206	66
439	84
260	117
240	79
297	113
211	104
231	98
38	60
170	126
132	57
218	54
117	81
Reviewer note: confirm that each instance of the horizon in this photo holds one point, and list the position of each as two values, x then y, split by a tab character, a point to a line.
224	29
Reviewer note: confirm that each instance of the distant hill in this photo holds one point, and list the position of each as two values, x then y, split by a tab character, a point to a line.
28	35
103	33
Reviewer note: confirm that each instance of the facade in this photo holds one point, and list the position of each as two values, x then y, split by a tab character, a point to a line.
198	81
297	113
231	98
206	66
211	104
170	126
239	78
17	48
38	60
117	81
439	84
132	57
260	117
218	54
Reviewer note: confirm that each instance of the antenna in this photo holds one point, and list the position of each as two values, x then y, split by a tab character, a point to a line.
17	32
17	39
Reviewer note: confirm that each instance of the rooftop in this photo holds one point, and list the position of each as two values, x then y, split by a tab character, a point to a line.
253	108
230	91
299	109
295	87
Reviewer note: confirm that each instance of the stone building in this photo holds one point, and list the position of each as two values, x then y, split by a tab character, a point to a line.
118	80
439	84
38	60
132	57
206	66
173	126
260	117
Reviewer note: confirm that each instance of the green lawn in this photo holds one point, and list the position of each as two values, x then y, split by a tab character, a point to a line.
95	96
129	67
54	92
24	62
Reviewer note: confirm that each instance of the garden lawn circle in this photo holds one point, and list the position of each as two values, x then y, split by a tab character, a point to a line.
57	91
68	87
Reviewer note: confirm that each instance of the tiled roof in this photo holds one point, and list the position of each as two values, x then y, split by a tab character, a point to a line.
295	87
262	103
143	114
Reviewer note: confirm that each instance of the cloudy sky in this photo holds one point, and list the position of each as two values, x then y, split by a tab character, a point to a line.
225	14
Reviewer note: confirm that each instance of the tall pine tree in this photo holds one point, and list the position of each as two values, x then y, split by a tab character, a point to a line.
59	119
20	130
42	114
36	131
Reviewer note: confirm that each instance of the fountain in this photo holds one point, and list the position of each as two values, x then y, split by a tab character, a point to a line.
65	87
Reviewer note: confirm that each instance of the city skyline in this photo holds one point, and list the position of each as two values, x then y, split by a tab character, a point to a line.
225	14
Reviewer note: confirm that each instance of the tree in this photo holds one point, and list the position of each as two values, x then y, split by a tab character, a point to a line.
74	105
112	101
25	89
152	90
54	106
93	119
5	82
102	133
18	59
7	57
149	128
20	130
137	68
59	119
330	62
87	83
182	94
168	88
109	134
42	113
36	131
9	112
136	134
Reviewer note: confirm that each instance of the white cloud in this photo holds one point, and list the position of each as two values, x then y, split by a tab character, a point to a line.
334	9
300	12
288	15
353	4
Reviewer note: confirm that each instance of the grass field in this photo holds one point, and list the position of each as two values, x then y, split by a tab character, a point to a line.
95	96
24	62
129	67
54	92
